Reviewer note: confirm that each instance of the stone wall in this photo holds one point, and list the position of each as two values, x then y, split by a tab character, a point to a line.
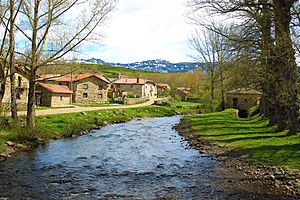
130	101
91	90
242	101
60	100
150	90
50	99
131	88
146	90
22	85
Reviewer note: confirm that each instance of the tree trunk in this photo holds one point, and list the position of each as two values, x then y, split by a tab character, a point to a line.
286	64
2	84
30	118
222	88
212	87
31	102
13	89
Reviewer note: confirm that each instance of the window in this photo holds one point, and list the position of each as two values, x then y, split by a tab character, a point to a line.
131	86
85	86
85	95
18	94
100	96
235	102
19	81
100	87
61	98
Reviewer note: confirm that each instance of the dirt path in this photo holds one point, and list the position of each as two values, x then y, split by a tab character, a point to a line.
84	109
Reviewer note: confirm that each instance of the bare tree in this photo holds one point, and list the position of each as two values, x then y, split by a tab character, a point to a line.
53	29
211	50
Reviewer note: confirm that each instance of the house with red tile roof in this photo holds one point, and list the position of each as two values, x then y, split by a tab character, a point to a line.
86	87
53	95
141	87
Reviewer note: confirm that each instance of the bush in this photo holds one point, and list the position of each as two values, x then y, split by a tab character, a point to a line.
130	95
29	135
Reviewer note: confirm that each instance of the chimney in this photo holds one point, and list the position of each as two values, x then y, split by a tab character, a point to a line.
138	80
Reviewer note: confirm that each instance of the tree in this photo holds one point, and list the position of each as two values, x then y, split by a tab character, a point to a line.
285	65
210	49
51	33
269	29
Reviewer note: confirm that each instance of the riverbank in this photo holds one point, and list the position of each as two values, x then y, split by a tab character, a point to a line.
247	145
15	139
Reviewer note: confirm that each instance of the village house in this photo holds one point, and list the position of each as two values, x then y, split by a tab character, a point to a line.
182	93
161	87
87	87
242	99
53	95
141	87
22	85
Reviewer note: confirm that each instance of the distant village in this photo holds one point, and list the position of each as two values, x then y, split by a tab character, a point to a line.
56	90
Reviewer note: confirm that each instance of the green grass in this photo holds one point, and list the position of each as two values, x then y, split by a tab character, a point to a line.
251	136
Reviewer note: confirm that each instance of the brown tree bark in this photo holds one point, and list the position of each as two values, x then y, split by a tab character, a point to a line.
13	89
286	66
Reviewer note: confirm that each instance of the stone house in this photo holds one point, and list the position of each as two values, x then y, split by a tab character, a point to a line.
161	87
182	93
53	95
87	87
141	87
22	84
242	99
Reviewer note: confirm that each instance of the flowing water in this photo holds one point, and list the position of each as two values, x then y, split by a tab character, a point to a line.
140	159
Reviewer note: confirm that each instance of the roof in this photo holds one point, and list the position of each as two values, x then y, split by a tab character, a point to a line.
132	81
77	77
244	91
56	88
163	85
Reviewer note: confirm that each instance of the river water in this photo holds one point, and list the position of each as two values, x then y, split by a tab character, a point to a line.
140	159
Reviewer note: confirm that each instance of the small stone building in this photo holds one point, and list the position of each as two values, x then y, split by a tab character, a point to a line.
53	95
22	85
242	99
162	87
182	93
141	87
87	87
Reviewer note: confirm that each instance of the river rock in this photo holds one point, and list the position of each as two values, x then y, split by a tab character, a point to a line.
10	143
2	158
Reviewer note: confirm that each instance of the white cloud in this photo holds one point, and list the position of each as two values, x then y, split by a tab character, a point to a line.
141	30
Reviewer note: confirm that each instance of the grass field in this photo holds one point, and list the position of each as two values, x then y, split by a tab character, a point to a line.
251	136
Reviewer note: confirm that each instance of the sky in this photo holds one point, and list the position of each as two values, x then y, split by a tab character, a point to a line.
142	30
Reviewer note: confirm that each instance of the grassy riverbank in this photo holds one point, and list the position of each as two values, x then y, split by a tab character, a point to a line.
250	137
67	125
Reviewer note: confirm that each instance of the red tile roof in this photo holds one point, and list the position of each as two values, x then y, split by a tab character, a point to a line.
163	85
56	88
132	81
77	77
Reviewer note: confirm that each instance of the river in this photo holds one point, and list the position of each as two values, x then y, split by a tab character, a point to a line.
140	159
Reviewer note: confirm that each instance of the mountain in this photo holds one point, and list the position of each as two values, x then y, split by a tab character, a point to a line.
157	65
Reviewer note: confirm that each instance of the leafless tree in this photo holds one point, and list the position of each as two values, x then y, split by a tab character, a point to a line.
54	28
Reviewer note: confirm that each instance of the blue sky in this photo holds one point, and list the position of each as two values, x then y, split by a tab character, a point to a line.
144	29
